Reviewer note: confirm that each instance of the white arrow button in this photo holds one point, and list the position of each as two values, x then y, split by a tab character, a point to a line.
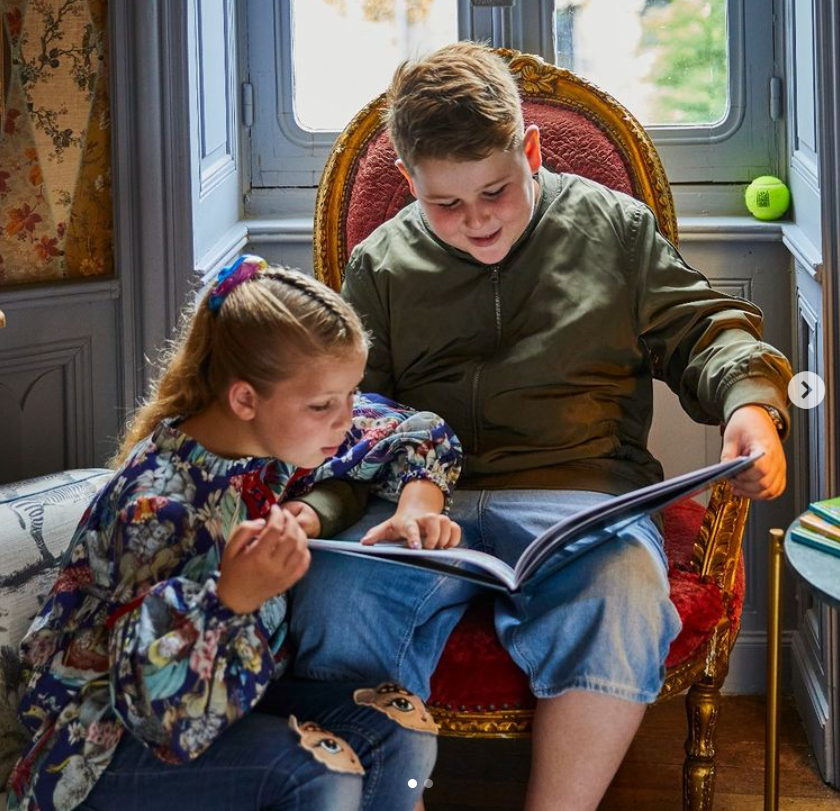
806	390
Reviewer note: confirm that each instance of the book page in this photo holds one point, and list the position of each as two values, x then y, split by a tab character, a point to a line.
623	510
455	556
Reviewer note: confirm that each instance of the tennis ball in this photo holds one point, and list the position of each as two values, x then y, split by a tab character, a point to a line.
767	198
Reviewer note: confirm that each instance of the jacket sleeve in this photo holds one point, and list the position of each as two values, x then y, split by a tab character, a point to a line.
183	665
338	504
361	293
704	344
389	445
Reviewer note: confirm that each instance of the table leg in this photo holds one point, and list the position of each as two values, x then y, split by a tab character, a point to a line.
774	666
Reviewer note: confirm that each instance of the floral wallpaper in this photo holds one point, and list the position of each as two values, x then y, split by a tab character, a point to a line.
55	158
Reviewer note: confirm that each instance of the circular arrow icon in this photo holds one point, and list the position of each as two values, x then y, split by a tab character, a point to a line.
806	390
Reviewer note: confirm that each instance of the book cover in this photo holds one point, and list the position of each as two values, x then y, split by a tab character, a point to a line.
813	522
815	541
549	552
828	509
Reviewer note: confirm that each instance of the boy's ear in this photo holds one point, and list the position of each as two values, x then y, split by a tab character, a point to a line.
404	172
242	399
531	147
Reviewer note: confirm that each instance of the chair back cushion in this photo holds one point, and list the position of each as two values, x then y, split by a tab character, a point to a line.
37	521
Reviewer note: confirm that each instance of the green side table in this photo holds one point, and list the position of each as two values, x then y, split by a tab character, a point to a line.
821	571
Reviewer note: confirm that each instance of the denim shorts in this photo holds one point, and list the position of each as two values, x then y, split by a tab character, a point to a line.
603	623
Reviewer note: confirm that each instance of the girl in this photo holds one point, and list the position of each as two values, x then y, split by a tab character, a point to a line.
167	620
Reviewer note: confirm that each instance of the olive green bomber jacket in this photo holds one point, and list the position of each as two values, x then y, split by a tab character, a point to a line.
543	364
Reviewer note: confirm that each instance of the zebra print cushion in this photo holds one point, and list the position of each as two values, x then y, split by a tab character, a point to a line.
37	519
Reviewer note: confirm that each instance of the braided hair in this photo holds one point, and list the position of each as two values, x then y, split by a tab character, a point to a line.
260	330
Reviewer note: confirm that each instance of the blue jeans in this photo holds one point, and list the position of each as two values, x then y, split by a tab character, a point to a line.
259	764
603	623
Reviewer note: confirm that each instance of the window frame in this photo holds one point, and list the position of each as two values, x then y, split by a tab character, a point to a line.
745	144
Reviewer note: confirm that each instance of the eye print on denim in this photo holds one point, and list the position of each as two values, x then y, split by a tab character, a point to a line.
334	752
399	705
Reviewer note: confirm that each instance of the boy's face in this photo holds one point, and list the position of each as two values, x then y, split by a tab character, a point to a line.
481	207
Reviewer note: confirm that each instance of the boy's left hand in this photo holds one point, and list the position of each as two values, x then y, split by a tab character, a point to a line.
751	430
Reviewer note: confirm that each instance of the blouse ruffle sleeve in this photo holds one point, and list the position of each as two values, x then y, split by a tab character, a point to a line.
183	665
390	445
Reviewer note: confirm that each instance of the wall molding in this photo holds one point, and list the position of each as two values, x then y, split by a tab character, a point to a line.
151	167
748	663
64	294
225	250
72	357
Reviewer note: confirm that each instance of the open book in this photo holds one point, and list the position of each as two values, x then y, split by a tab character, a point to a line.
555	547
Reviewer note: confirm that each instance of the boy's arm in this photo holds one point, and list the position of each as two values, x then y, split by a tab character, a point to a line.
707	347
704	344
360	292
337	504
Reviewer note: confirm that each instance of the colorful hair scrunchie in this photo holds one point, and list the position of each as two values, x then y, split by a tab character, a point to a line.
244	268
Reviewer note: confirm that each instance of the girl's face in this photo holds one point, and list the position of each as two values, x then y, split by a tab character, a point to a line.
305	417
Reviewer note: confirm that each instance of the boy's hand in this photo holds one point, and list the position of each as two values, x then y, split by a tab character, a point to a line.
751	430
308	519
261	560
418	520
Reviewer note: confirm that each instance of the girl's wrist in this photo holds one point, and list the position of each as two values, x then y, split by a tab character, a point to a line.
420	496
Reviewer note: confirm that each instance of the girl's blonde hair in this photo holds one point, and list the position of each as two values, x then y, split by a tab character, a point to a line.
264	329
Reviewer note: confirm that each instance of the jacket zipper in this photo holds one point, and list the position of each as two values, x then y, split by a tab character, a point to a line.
497	300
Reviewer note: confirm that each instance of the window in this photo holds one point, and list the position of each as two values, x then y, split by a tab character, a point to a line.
368	38
666	60
678	65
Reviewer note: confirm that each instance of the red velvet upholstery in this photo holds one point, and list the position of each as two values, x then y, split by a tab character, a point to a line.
476	674
569	142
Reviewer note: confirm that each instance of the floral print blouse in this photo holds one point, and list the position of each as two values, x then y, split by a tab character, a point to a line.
133	636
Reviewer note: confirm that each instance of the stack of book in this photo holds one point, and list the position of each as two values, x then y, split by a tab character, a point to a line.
820	526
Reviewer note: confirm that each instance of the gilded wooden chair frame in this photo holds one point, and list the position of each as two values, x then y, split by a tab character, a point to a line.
717	548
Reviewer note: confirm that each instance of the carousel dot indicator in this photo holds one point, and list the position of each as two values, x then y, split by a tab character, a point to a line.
412	783
429	783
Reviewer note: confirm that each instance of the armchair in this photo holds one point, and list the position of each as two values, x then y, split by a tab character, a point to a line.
584	131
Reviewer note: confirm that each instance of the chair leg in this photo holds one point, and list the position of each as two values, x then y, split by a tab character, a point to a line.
702	705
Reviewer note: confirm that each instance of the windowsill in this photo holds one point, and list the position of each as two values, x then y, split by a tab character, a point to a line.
299	229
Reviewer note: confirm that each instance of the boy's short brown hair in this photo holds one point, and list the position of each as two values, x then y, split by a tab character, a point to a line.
459	103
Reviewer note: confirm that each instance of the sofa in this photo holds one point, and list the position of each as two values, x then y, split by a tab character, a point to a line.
37	519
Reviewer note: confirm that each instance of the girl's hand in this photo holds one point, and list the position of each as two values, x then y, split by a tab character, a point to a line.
429	530
750	430
308	519
261	560
418	520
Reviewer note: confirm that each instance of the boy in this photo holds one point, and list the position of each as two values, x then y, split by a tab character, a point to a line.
531	311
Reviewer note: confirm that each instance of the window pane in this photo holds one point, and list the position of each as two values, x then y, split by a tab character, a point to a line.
665	60
345	51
